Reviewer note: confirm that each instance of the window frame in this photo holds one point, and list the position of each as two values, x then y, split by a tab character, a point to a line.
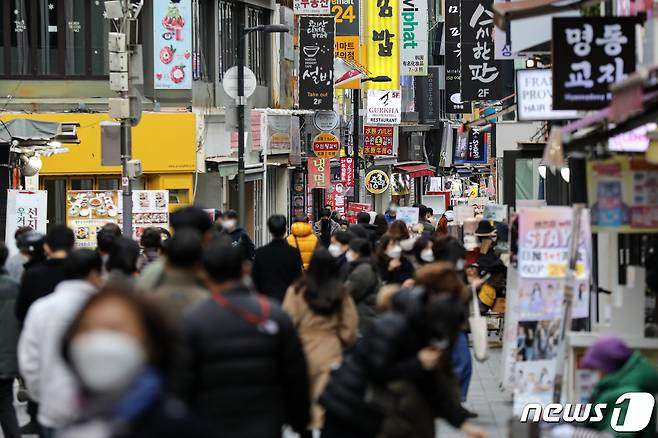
6	25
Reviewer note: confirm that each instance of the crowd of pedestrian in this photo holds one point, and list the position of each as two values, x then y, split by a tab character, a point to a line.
354	331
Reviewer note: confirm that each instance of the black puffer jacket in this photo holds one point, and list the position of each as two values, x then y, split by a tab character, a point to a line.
387	353
247	382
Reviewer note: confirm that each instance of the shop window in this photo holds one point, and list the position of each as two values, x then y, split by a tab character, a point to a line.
179	196
82	184
56	200
108	184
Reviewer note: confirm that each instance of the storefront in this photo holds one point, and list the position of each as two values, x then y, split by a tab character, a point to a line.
164	142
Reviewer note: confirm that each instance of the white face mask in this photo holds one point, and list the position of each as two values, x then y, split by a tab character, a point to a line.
230	224
394	252
335	250
350	256
393	209
107	360
460	265
427	255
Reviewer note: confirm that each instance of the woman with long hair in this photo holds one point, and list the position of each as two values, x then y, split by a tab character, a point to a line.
326	319
398	229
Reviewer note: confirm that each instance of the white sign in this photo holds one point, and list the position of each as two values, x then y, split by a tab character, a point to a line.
408	215
230	82
312	7
384	107
495	212
414	32
534	96
463	212
150	209
325	121
635	140
25	209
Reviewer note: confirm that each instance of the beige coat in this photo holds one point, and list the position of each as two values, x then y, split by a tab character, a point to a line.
324	338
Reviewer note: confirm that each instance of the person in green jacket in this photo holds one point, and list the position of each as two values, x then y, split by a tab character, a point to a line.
622	371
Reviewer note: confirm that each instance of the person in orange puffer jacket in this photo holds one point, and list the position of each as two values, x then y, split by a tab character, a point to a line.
302	237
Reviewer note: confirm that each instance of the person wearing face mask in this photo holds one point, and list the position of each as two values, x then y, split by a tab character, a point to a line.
362	281
393	267
48	380
340	244
119	348
422	253
325	227
391	213
238	235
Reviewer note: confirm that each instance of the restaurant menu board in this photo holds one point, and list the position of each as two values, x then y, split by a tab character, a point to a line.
150	209
87	211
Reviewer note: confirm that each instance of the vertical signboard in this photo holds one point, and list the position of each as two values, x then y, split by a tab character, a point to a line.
482	76
383	43
414	38
311	7
426	95
346	14
172	45
471	147
319	173
454	102
316	62
25	209
594	52
347	171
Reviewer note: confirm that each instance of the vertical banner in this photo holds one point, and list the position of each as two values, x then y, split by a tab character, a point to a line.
482	76
415	34
25	209
316	63
471	147
172	45
347	171
454	102
346	14
319	173
383	43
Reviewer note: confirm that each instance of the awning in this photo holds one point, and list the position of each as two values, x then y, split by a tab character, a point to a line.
417	170
29	131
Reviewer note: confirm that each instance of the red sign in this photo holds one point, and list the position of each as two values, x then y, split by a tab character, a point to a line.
378	140
319	173
354	209
347	171
326	145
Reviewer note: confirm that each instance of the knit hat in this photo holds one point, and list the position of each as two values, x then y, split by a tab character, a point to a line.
607	354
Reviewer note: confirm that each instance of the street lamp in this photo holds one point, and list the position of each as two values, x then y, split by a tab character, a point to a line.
240	102
356	129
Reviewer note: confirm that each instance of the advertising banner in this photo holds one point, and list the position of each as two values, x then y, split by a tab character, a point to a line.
378	140
384	107
311	7
150	209
482	76
471	147
319	173
383	43
25	209
278	133
316	62
347	171
594	52
414	31
454	102
635	140
172	45
335	197
346	13
354	208
534	96
87	211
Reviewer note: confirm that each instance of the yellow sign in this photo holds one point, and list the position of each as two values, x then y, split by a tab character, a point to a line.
377	181
383	43
326	145
347	47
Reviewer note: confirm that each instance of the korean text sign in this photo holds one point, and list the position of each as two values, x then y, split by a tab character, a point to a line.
383	42
594	53
347	171
482	75
378	140
319	173
346	13
414	31
454	102
25	209
384	107
311	7
172	39
316	62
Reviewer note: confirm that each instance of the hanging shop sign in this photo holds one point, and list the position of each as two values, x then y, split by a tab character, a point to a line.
623	194
482	75
326	145
378	140
376	181
172	39
534	96
230	82
400	184
384	107
471	147
594	52
347	171
346	13
635	140
316	62
311	7
325	120
454	102
414	34
335	197
427	95
25	209
319	173
383	43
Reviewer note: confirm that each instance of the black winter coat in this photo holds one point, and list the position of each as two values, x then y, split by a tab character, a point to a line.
388	353
239	237
397	276
247	382
38	281
276	266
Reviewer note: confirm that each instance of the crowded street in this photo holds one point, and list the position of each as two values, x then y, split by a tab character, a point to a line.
328	218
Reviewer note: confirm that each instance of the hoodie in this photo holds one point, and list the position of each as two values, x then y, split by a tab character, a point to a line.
302	238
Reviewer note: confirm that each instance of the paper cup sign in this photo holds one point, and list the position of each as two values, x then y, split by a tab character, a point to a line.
377	181
326	145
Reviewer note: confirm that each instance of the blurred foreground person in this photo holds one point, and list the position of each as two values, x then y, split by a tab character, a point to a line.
302	237
8	341
151	243
120	349
325	317
122	264
362	281
245	369
276	265
48	380
621	371
105	239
